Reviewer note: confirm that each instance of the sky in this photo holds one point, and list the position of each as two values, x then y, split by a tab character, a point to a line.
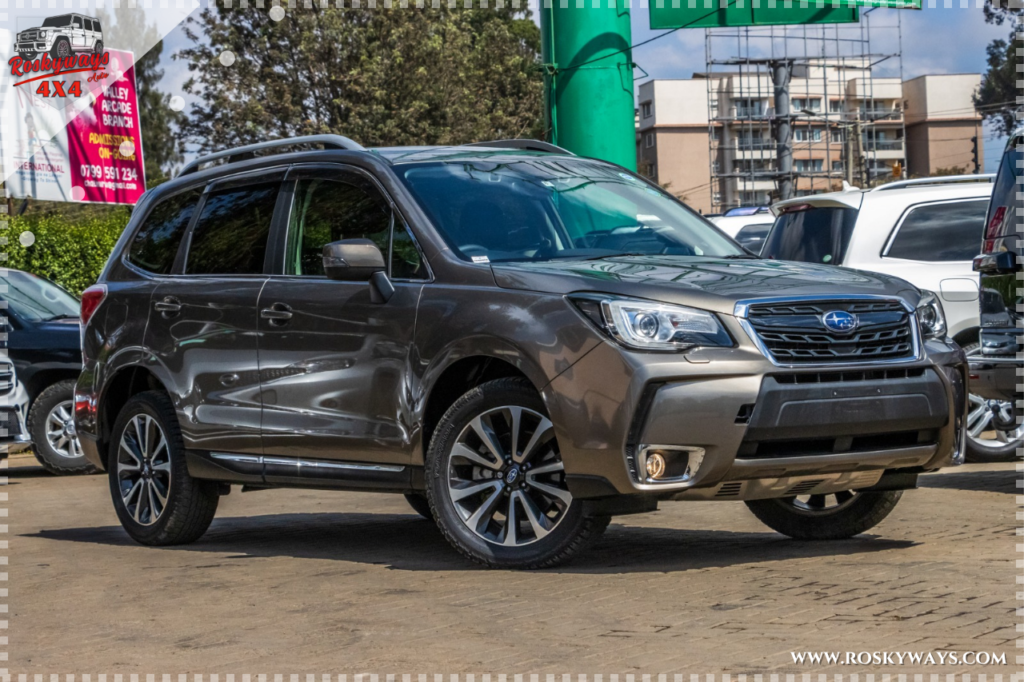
934	40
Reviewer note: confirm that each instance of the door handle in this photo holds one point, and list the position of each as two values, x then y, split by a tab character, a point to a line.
168	307
278	314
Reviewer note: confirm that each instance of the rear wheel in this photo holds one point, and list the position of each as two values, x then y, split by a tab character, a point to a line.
61	49
156	499
496	483
993	434
832	516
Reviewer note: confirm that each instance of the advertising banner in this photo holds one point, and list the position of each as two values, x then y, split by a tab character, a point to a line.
76	128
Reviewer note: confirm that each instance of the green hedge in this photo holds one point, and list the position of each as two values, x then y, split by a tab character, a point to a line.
69	251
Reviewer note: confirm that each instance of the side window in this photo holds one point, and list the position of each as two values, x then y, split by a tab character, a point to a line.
327	210
88	24
155	245
940	232
77	21
96	25
230	237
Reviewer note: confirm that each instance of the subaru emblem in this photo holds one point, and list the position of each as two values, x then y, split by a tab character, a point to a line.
840	321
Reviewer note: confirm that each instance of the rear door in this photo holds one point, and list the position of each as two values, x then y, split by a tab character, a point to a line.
203	324
335	365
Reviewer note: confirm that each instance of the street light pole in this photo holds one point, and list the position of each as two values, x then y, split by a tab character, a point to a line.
781	74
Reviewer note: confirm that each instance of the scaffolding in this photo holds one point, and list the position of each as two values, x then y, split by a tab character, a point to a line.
828	96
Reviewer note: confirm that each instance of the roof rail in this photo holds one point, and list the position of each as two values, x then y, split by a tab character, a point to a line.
249	151
940	180
528	145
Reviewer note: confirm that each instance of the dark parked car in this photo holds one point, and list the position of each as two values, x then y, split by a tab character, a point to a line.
43	341
521	341
995	380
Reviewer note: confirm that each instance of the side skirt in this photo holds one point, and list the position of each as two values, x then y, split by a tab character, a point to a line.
293	472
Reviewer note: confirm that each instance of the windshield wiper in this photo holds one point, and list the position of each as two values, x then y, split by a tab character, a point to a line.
618	255
62	316
740	256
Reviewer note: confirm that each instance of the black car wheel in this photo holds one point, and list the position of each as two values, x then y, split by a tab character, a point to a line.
496	483
52	429
27	56
993	434
832	516
98	47
156	499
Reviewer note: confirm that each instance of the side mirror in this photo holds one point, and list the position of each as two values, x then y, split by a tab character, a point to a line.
359	260
1001	263
352	260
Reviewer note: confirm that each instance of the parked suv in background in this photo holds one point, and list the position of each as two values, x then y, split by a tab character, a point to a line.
995	381
13	408
44	342
522	341
924	231
61	36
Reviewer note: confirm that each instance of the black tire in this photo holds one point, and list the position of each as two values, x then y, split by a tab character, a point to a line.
58	397
190	503
572	532
98	47
860	513
420	505
27	56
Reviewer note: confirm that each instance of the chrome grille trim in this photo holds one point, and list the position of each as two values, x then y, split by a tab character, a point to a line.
7	379
806	305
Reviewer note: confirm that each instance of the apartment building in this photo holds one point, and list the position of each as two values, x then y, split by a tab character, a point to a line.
709	140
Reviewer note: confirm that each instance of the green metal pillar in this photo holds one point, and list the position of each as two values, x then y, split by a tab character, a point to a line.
589	78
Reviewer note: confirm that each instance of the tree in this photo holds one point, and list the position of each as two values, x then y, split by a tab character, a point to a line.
162	146
384	76
997	96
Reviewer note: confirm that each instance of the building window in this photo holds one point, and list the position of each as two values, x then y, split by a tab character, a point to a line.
716	198
650	170
646	109
806	103
808	165
837	166
835	106
716	134
807	134
838	135
649	140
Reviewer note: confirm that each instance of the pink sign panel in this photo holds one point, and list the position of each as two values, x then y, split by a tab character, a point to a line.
105	140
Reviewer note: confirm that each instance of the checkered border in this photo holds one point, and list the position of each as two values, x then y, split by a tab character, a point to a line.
5	134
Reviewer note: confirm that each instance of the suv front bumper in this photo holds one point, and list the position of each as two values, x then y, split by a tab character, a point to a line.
753	429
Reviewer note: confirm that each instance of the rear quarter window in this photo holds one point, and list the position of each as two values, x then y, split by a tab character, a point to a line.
950	231
156	243
815	234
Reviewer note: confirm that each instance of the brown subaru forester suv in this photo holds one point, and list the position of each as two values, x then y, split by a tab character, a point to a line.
523	342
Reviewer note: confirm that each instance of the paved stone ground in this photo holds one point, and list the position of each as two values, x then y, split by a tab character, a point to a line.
317	582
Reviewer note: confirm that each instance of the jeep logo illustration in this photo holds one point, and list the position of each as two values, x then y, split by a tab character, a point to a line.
840	321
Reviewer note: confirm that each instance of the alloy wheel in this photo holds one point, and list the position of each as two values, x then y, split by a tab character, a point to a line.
144	469
60	431
990	423
826	503
505	477
63	49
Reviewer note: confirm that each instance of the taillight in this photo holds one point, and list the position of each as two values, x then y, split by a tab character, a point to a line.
91	299
997	220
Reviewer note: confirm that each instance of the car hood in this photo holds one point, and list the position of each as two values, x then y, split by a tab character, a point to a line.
709	283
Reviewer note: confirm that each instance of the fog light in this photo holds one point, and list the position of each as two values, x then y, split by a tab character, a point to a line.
655	465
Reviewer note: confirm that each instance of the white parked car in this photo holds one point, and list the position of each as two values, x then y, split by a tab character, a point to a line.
748	225
926	231
13	407
61	36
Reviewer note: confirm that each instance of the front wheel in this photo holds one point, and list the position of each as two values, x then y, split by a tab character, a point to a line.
833	516
51	426
27	56
496	483
993	434
155	498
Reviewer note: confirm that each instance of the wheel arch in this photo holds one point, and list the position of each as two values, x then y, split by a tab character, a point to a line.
119	389
456	379
966	337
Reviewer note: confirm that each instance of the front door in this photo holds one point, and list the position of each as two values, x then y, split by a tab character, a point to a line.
334	365
203	324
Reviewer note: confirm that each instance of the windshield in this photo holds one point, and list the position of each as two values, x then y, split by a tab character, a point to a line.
57	22
811	235
33	299
542	208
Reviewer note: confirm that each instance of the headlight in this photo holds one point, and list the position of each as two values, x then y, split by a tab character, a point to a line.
930	317
647	325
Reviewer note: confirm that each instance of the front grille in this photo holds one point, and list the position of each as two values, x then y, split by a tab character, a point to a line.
6	378
793	333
